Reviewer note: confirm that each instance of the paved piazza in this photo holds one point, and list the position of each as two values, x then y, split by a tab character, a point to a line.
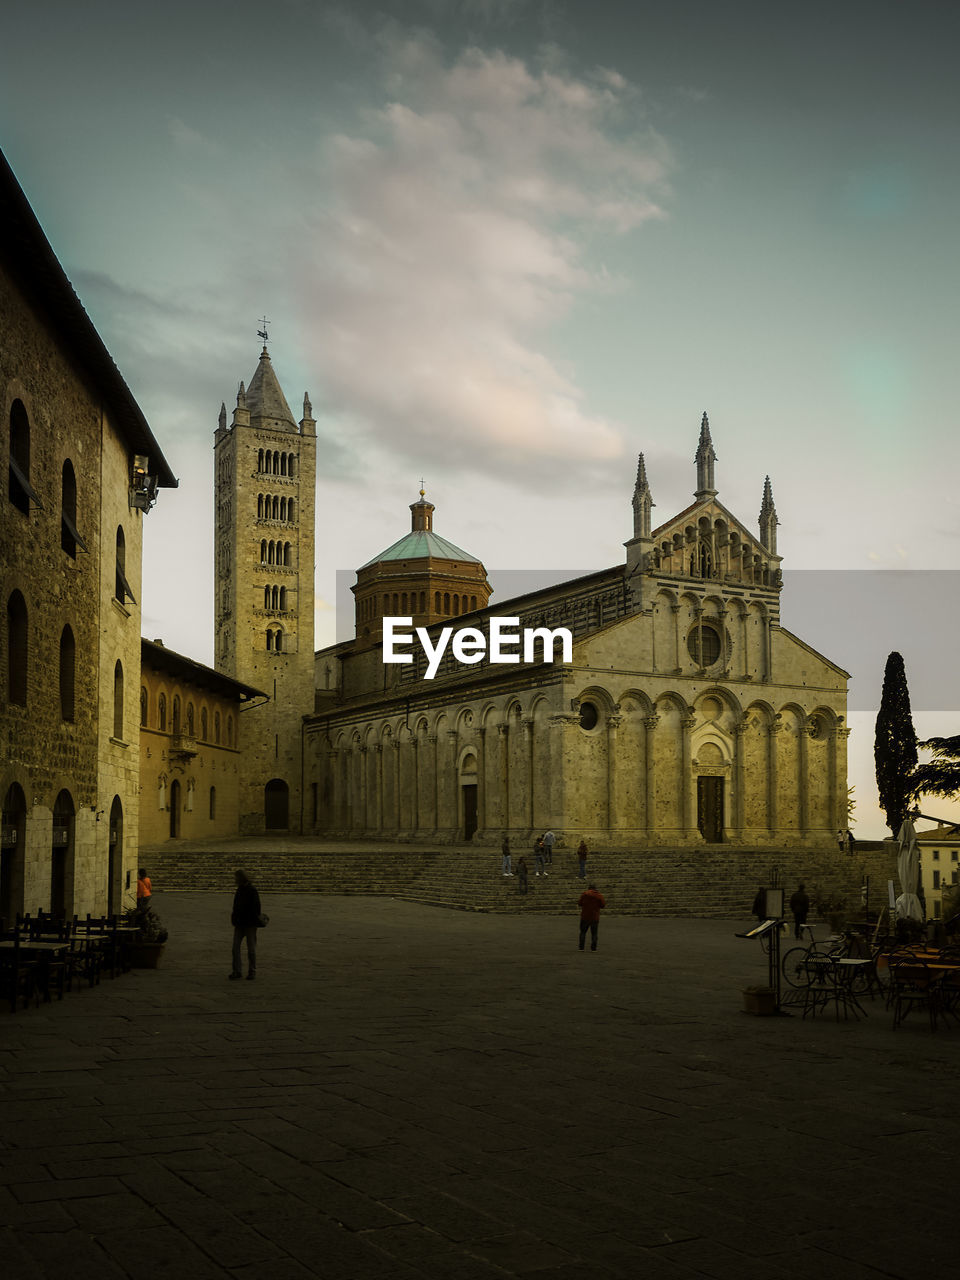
411	1092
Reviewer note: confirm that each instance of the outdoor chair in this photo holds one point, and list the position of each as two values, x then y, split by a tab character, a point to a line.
18	978
912	986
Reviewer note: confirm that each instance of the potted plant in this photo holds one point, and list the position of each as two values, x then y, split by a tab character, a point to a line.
145	948
760	1000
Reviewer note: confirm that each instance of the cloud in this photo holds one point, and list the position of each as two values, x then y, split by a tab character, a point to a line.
459	230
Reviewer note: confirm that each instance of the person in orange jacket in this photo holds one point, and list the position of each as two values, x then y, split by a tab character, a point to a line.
591	904
144	891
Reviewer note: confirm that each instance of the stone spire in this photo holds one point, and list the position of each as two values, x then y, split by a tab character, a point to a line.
308	423
768	519
642	502
705	459
241	414
222	420
265	400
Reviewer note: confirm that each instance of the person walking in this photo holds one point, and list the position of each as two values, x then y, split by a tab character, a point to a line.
505	865
582	859
591	903
245	919
549	840
841	841
759	904
522	873
144	890
800	906
539	856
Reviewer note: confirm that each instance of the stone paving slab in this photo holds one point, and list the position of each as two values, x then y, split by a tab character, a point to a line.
406	1092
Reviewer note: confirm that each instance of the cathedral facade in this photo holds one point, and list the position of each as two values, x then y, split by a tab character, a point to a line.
685	714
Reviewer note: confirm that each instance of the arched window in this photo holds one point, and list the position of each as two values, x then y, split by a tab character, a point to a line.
229	731
263	551
266	598
162	713
283	508
213	803
290	511
286	555
278	640
259	506
19	488
216	727
473	603
175	727
283	598
276	508
123	592
436	602
260	463
143	706
446	602
190	720
269	637
69	537
291	465
203	724
17	649
403	602
68	658
283	464
118	701
423	602
396	603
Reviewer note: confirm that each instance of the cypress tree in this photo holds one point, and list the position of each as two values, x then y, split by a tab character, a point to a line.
895	744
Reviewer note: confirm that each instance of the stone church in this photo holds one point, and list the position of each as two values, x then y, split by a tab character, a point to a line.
685	715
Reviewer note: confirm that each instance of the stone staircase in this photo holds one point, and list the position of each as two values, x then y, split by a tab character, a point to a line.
711	881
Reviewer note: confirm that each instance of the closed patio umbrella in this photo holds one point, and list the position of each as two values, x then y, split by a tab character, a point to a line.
908	866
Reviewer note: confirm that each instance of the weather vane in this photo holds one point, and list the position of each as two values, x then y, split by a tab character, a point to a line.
262	333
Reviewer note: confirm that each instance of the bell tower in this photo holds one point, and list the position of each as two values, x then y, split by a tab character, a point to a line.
265	483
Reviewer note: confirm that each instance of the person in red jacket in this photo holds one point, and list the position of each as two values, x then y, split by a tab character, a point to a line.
591	903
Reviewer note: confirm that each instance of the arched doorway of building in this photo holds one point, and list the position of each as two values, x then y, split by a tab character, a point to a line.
710	808
175	810
14	826
468	791
61	856
115	856
276	805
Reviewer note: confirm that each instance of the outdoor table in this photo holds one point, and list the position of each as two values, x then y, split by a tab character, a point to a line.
831	982
42	953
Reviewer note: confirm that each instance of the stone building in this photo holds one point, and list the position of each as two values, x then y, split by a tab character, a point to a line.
265	485
939	849
192	729
80	469
684	715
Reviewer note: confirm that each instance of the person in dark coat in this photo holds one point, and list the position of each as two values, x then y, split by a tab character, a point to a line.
800	906
591	904
245	919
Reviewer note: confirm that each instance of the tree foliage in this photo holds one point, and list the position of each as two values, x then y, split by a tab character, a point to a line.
941	775
895	744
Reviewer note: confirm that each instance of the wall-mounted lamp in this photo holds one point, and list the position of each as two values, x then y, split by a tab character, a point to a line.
143	486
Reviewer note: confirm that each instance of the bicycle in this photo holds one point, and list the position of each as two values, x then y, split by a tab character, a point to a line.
800	962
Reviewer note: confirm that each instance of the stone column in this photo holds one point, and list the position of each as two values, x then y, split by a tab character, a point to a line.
503	765
415	757
688	796
613	808
435	791
773	817
739	778
561	726
395	744
480	780
528	764
363	824
840	771
675	610
452	788
803	781
650	775
333	763
378	789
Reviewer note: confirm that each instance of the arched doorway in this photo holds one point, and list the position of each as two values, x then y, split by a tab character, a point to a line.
115	856
276	805
175	810
14	826
468	790
61	856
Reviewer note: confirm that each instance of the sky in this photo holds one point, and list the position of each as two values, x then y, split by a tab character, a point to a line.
506	245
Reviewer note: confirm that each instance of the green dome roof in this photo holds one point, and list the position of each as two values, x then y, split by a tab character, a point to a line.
418	545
